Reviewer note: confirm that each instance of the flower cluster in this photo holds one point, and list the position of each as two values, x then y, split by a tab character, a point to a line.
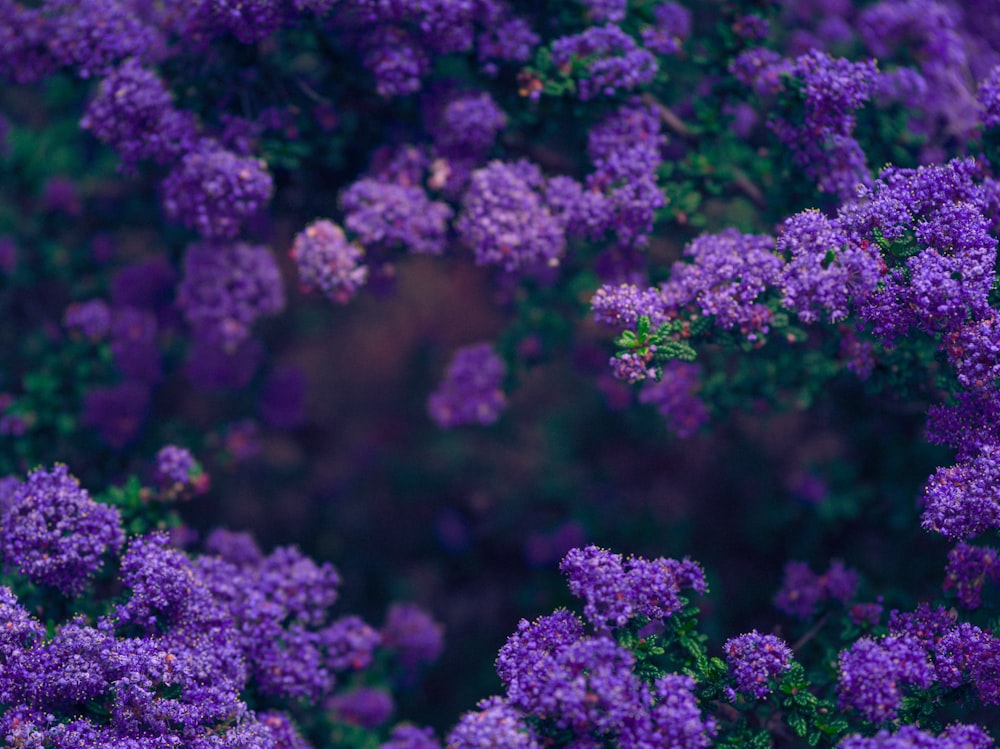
472	389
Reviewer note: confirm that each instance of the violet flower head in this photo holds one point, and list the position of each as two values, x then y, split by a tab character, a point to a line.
754	660
967	424
621	306
727	274
390	215
472	389
615	589
504	220
989	99
237	547
675	720
466	124
55	534
675	397
528	657
494	724
969	567
91	36
600	11
613	61
134	114
825	270
349	644
24	41
957	736
328	262
507	40
411	737
91	318
215	192
249	21
671	26
176	465
801	591
365	706
873	674
962	501
226	288
396	59
413	634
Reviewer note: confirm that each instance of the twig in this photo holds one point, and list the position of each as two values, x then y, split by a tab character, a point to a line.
677	126
811	633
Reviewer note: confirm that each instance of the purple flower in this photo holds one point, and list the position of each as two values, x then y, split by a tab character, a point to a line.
612	60
55	534
621	306
176	465
754	660
411	737
413	634
989	98
328	262
615	589
671	26
957	736
134	114
674	719
801	591
873	674
727	273
396	59
471	391
365	707
91	36
215	191
91	318
134	345
967	571
389	215
495	725
961	501
465	124
504	220
248	20
226	287
505	40
674	396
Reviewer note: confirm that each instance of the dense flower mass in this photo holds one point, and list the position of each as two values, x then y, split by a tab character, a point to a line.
504	219
54	534
778	218
616	589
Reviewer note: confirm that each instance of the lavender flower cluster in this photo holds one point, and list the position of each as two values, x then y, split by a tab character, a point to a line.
717	194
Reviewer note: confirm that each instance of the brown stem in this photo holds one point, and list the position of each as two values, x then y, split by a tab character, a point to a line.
811	633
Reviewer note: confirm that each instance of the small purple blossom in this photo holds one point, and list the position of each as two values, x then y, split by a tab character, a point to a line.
754	660
227	287
621	306
494	725
413	634
675	397
615	589
328	262
390	215
989	99
671	26
215	191
472	389
91	318
968	569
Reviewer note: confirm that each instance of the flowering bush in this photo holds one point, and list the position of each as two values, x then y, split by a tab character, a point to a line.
465	293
